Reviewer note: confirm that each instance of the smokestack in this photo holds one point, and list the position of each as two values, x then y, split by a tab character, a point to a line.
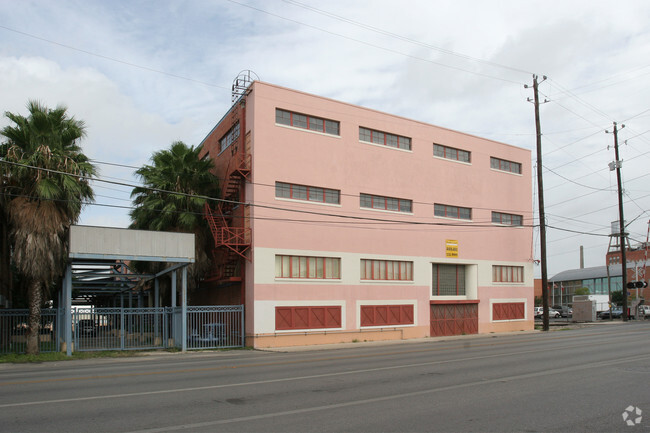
582	257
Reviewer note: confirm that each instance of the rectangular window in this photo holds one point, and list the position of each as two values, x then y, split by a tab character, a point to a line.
503	165
316	317
508	311
448	280
384	138
507	274
231	136
507	219
451	153
307	193
307	267
386	203
386	315
304	121
391	270
456	212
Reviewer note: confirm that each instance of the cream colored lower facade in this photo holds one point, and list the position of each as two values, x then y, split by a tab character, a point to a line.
350	293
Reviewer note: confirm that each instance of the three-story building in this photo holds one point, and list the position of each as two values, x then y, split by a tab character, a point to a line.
341	223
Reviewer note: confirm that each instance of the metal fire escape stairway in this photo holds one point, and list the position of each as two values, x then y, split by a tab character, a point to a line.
232	239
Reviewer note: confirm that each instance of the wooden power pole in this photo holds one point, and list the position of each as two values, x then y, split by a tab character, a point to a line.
621	220
542	213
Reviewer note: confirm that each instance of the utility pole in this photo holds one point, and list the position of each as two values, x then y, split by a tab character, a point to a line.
540	194
621	221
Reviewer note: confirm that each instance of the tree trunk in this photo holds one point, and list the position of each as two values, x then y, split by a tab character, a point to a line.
35	299
5	261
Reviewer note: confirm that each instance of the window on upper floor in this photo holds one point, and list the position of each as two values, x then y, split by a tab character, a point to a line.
386	203
384	138
507	274
507	219
456	212
451	153
231	136
307	267
307	193
386	270
305	121
448	280
504	165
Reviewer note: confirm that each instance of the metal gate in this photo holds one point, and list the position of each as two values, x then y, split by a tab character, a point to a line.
208	327
96	329
454	319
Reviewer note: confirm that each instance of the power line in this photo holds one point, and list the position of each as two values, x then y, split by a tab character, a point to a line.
576	183
379	47
404	38
350	217
113	59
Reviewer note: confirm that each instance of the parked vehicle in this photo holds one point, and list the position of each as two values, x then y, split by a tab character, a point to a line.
617	312
565	310
209	334
86	327
644	311
552	313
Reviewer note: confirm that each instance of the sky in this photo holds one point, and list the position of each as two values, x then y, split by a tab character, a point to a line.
142	74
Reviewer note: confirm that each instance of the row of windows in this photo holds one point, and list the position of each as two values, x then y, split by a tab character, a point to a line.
503	165
448	280
451	153
391	270
386	203
507	274
303	121
507	219
307	267
384	138
333	127
307	193
333	196
457	212
231	136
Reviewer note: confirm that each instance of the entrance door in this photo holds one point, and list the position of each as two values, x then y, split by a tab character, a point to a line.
454	319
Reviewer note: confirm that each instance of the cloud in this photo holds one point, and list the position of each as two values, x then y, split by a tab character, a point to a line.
117	130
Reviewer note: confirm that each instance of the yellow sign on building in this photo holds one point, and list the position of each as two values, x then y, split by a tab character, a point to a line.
451	248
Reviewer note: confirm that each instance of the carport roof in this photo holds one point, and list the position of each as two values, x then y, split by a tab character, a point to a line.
99	256
587	273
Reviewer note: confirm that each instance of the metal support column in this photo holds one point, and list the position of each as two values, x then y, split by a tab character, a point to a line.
173	289
184	310
67	296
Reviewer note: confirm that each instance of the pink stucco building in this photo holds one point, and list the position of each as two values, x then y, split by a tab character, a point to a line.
341	223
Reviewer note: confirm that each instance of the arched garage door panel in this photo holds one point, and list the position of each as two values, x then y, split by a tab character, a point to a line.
454	319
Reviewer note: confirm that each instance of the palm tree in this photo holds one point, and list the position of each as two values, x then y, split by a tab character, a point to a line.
173	196
45	188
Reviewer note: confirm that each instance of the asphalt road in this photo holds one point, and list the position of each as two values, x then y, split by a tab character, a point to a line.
572	380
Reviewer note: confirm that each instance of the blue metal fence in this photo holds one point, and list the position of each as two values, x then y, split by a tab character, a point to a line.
13	330
96	329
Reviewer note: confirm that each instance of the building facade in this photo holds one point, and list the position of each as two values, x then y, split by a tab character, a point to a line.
637	263
339	223
600	281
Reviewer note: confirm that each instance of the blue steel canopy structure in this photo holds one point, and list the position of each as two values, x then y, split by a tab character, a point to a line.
98	264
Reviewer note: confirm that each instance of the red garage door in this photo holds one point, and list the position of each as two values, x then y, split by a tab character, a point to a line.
454	319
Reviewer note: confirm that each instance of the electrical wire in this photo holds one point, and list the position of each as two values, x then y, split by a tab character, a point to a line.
379	47
113	59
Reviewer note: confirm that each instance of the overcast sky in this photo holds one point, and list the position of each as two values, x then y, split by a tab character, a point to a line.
143	74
